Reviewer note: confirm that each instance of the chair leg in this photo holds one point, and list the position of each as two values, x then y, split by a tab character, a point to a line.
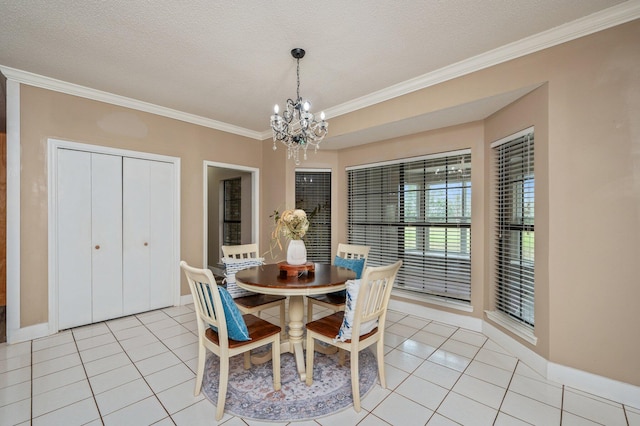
275	360
380	359
201	358
341	356
309	366
247	360
282	319
222	389
355	380
309	310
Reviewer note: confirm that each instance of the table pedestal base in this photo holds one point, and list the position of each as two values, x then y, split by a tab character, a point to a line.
295	344
296	333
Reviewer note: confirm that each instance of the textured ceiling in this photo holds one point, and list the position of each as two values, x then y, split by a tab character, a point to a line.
230	61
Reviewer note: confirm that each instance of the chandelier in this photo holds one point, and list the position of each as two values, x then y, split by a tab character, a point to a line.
297	128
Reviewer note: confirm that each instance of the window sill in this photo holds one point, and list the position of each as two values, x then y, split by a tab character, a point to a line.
452	304
513	326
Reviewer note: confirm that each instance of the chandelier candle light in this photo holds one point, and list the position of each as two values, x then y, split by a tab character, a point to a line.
297	128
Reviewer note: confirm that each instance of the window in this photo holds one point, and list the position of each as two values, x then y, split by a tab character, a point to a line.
232	221
418	211
313	195
515	236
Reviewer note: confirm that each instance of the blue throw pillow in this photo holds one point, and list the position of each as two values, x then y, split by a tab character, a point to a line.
236	327
356	265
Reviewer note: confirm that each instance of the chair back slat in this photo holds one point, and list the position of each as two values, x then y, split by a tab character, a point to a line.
352	251
374	295
241	251
206	300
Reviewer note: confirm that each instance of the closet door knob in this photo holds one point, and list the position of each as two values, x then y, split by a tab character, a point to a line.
97	247
146	244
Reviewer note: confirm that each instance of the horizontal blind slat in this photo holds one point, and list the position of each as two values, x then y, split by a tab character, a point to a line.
313	195
418	211
514	235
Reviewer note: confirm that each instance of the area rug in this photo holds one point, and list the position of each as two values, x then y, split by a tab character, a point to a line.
250	392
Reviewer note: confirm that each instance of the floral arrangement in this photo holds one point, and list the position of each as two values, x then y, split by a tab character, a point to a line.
292	224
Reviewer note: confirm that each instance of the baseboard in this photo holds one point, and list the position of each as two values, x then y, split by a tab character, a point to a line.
185	299
601	386
515	348
604	387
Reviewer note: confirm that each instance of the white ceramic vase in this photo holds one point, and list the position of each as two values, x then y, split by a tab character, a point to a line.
296	253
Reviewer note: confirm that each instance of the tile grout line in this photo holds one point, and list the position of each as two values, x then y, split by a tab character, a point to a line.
93	395
86	376
392	391
457	380
427	359
31	383
171	351
370	412
153	392
506	391
562	405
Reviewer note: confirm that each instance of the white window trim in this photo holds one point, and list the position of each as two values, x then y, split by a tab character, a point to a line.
513	326
509	138
457	305
410	159
523	331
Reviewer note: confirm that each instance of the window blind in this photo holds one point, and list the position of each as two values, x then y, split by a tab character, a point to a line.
313	195
515	236
232	221
418	211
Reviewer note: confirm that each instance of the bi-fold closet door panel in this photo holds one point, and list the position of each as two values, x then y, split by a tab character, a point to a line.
106	229
115	218
147	240
89	252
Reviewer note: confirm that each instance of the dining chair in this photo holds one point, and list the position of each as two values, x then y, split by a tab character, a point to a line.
359	326
215	308
237	257
348	255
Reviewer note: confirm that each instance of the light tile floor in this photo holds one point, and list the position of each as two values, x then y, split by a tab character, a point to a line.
139	370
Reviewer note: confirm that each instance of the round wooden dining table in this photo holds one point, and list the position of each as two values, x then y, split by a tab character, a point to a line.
272	279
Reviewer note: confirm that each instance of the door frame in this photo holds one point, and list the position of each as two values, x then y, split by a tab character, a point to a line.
53	145
255	202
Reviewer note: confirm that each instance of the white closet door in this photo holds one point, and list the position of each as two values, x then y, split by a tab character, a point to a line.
148	265
74	249
135	226
106	212
161	263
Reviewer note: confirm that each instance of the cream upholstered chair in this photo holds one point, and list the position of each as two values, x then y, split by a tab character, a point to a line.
359	326
335	301
248	302
210	311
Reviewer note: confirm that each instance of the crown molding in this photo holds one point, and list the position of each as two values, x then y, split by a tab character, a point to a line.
616	15
31	79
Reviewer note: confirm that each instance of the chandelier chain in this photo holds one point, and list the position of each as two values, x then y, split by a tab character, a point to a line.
298	79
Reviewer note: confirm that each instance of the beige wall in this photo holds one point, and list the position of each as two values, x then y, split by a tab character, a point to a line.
46	114
586	115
